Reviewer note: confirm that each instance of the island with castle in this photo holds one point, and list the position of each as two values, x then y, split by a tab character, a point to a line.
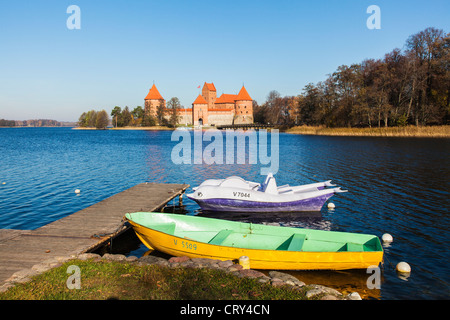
208	109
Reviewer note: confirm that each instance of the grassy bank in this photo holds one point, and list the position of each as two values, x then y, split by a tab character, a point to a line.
116	280
409	131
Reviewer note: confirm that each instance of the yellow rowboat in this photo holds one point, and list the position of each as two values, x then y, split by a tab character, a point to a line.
268	247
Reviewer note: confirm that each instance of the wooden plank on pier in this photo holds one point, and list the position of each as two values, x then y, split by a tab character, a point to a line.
245	126
82	231
6	234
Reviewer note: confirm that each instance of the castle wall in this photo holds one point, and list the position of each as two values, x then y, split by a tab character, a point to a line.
241	119
220	118
185	117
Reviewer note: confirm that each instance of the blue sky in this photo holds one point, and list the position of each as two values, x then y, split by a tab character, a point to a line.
49	71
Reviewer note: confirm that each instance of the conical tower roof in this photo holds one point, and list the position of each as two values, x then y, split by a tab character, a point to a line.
200	100
154	94
243	95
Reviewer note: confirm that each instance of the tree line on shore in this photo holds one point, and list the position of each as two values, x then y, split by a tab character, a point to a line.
7	123
135	118
34	123
94	119
410	86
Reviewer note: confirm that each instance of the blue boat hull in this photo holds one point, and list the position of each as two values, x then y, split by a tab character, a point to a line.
231	205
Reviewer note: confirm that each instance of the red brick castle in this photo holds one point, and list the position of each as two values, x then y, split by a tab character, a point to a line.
207	109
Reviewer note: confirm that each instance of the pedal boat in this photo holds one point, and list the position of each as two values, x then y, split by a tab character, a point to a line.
235	194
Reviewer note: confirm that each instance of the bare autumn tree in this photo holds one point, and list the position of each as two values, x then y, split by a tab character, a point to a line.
410	86
161	113
272	107
425	49
174	105
399	75
259	113
309	105
377	78
347	82
443	77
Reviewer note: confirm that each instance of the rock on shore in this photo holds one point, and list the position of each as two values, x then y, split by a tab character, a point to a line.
275	278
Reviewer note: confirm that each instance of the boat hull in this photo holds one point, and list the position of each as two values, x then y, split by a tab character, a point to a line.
233	205
259	258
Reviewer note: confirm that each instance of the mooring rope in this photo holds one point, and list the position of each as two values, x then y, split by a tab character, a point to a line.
389	262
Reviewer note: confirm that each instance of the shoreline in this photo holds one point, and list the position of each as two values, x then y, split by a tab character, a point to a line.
31	284
408	132
153	128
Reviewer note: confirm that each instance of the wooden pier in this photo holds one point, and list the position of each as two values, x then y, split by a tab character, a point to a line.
83	231
245	126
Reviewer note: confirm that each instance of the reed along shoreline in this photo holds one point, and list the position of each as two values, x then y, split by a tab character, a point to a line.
409	131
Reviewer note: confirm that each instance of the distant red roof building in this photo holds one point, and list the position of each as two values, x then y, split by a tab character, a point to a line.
226	109
207	109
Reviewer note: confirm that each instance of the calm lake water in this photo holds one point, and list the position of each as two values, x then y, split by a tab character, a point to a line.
396	185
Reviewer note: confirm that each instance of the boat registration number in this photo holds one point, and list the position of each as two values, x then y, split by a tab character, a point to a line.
186	245
241	194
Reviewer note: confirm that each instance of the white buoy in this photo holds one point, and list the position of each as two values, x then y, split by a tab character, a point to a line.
403	267
331	205
244	261
3	182
387	237
77	191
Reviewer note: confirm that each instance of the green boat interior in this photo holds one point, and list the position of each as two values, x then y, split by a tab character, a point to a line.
255	236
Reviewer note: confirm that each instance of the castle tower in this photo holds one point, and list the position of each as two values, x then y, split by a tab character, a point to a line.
152	101
209	93
200	111
244	108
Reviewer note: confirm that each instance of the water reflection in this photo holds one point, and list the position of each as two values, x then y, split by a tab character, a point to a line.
399	186
345	281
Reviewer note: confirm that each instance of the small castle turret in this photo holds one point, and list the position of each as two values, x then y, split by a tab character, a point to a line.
210	94
244	108
153	100
200	111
